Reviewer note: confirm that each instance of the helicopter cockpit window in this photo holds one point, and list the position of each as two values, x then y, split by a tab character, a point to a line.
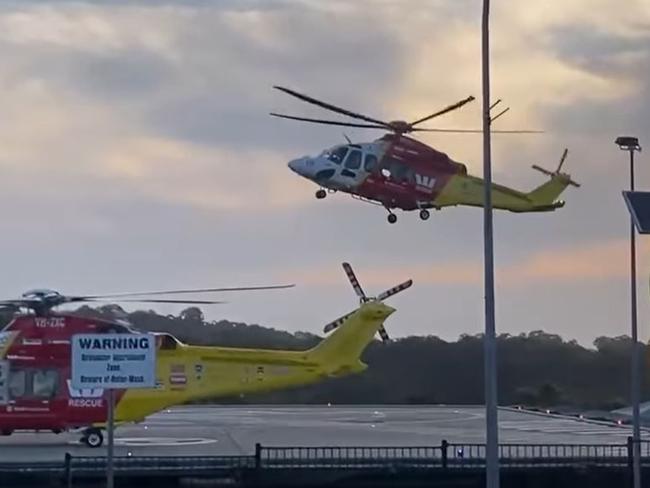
370	162
353	160
168	342
338	155
44	383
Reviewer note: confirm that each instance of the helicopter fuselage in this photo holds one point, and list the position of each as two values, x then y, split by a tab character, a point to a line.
398	172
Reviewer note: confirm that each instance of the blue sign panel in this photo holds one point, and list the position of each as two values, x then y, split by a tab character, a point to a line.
113	361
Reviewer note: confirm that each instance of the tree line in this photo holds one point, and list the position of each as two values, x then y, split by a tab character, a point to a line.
534	369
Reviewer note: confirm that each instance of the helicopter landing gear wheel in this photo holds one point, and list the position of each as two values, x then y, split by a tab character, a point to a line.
320	194
424	214
392	218
93	437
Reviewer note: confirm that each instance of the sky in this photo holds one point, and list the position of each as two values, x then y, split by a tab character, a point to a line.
137	153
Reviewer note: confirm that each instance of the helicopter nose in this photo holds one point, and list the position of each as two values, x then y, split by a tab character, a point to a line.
298	166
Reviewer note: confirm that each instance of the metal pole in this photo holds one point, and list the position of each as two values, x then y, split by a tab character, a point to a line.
636	350
490	366
111	422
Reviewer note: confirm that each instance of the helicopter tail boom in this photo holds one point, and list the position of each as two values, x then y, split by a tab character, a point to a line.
546	194
340	352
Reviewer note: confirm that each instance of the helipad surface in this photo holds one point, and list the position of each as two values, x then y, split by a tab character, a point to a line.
216	430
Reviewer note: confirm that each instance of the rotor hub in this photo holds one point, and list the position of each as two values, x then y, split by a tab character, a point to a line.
400	126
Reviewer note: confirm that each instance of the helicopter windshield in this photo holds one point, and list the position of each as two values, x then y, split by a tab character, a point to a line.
336	154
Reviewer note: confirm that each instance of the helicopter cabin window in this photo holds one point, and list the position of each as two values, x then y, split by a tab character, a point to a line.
370	163
338	155
17	383
44	383
353	160
400	172
33	383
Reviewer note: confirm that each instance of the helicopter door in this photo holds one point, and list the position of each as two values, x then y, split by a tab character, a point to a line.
4	382
352	164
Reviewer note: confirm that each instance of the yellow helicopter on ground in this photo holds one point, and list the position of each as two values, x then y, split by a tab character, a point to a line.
36	393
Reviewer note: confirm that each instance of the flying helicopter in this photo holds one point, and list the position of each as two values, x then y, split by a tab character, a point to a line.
399	172
36	393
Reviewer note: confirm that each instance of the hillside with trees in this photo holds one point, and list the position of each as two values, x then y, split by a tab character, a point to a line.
535	369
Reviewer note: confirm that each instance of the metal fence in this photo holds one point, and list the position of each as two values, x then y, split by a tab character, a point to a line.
443	456
449	455
542	454
349	457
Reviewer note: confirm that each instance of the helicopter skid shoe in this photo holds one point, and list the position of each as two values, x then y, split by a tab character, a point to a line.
93	437
320	194
425	214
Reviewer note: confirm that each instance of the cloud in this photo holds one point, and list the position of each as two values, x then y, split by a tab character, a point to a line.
589	261
136	149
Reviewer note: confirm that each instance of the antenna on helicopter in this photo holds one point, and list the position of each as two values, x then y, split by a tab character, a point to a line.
356	286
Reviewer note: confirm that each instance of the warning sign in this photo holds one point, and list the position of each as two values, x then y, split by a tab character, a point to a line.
113	361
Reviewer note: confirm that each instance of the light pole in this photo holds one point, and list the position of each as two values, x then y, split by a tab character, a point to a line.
489	344
631	144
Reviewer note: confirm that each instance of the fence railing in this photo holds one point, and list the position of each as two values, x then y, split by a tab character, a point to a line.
341	457
449	455
443	456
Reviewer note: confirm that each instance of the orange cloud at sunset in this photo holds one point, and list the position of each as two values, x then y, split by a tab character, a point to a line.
592	261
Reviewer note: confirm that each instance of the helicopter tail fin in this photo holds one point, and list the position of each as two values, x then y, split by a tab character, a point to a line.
340	352
546	194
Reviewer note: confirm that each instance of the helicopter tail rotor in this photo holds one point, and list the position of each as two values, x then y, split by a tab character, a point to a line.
558	171
364	299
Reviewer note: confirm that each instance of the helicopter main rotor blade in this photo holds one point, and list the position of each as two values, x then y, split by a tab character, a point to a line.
329	122
331	107
445	110
15	303
179	292
154	300
478	131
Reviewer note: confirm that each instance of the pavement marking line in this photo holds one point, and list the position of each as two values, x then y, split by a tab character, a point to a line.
156	441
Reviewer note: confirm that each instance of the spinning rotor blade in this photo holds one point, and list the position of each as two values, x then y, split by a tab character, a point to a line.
335	323
353	281
12	303
329	122
564	155
153	300
394	290
543	170
445	110
383	334
179	292
478	131
331	107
